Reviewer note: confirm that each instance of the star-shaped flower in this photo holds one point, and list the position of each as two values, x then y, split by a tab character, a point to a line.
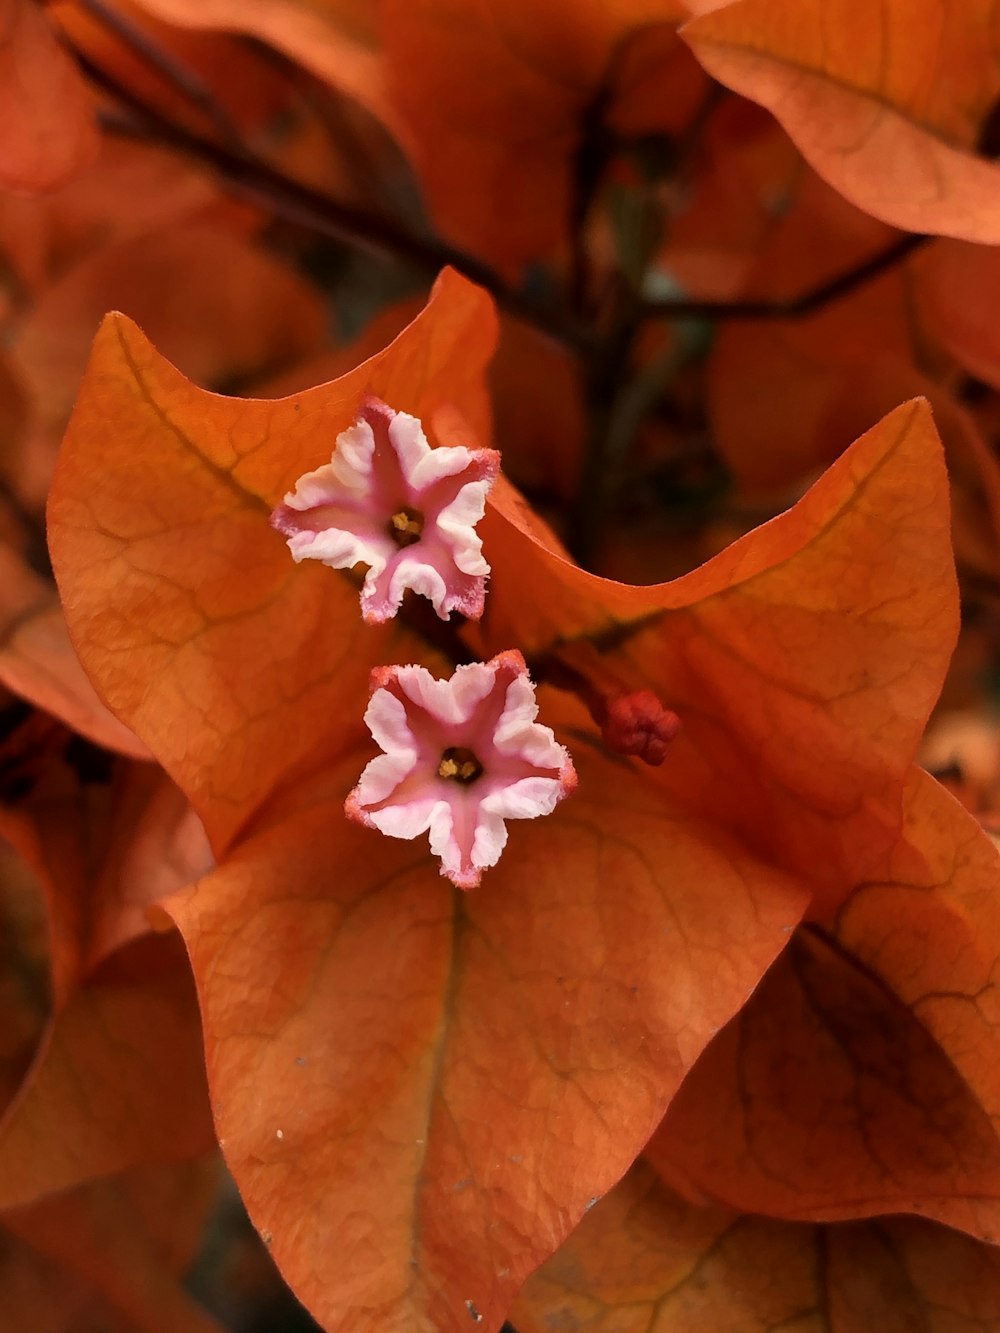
389	501
461	756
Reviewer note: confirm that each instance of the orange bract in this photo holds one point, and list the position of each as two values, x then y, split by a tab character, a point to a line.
105	837
48	117
339	965
335	39
646	1261
38	664
261	655
444	1080
888	101
862	1076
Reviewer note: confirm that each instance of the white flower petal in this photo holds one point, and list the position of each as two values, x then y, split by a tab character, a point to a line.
341	549
382	776
436	464
525	799
353	457
480	705
406	435
442	838
407	820
347	476
470	684
385	718
342	514
412	572
455	525
490	839
451	701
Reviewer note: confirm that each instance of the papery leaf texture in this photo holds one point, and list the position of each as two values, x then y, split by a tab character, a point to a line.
37	662
862	1076
130	1035
647	1261
336	40
877	97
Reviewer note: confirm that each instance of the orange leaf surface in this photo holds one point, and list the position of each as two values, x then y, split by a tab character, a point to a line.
538	421
442	1081
242	77
747	171
973	469
885	100
773	383
645	1261
24	988
46	111
129	190
863	1076
106	838
958	287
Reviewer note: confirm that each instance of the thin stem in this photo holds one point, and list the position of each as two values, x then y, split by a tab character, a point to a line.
807	303
603	372
261	184
173	69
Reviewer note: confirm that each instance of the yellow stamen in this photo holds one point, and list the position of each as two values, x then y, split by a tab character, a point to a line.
406	526
459	764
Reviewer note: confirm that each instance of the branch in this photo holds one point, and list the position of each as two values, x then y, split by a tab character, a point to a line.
797	306
172	68
259	183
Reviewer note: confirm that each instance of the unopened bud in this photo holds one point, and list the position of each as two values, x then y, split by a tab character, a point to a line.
632	721
638	724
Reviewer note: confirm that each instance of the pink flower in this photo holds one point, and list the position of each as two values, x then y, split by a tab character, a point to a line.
461	756
389	501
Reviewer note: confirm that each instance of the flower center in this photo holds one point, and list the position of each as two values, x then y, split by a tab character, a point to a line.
459	764
406	526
